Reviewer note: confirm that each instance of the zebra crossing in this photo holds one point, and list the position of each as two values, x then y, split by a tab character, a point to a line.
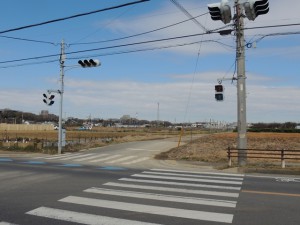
155	196
96	158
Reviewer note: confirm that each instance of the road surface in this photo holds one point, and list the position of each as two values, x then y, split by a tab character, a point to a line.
36	190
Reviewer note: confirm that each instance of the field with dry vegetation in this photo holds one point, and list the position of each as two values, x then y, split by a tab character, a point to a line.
213	147
46	140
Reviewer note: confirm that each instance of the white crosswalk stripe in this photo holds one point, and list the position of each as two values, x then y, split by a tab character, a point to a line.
75	157
106	158
97	158
197	172
82	218
181	184
136	160
189	179
157	210
84	158
170	189
6	223
160	197
199	197
123	159
189	175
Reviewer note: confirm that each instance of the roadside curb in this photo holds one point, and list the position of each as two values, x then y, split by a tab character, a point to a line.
269	171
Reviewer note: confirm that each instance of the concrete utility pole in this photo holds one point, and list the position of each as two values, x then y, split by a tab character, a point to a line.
61	92
241	86
222	11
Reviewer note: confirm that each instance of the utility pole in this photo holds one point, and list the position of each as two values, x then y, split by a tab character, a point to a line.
61	92
222	11
241	86
157	113
83	63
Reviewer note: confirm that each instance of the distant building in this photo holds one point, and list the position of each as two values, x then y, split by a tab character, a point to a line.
45	114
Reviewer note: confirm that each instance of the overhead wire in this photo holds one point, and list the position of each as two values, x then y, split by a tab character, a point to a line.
182	9
139	34
107	47
29	40
105	25
119	52
249	44
73	16
130	44
272	26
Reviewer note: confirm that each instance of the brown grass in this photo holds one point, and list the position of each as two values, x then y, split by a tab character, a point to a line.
72	134
213	147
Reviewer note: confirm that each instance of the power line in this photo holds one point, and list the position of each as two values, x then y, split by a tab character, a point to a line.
272	26
150	49
139	34
30	40
105	25
104	48
182	9
129	44
28	64
250	43
122	52
72	17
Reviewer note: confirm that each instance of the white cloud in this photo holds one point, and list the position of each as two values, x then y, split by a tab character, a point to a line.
112	99
280	13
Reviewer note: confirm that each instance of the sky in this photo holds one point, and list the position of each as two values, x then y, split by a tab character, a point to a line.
171	80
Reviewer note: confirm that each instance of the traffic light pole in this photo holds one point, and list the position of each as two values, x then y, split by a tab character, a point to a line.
241	86
61	92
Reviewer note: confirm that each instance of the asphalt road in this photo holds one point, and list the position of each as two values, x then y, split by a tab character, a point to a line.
130	155
35	190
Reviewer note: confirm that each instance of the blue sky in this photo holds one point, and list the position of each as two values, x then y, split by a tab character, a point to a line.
180	79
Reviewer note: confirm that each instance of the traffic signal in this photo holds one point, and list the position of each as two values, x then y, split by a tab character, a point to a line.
220	11
219	92
89	63
254	8
48	100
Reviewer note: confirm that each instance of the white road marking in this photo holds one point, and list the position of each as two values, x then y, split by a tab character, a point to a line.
6	223
141	149
188	179
170	189
190	175
136	161
180	184
194	172
83	218
123	159
62	156
90	157
75	156
160	197
157	210
106	158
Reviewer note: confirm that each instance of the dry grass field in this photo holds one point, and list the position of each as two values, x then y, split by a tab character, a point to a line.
77	140
101	132
213	147
208	148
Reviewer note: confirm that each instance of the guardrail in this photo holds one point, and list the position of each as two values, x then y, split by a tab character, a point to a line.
282	154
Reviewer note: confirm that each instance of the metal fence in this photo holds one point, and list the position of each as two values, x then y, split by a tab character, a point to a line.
283	154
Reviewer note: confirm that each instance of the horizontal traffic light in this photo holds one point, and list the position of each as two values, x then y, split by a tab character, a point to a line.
89	63
220	11
254	8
